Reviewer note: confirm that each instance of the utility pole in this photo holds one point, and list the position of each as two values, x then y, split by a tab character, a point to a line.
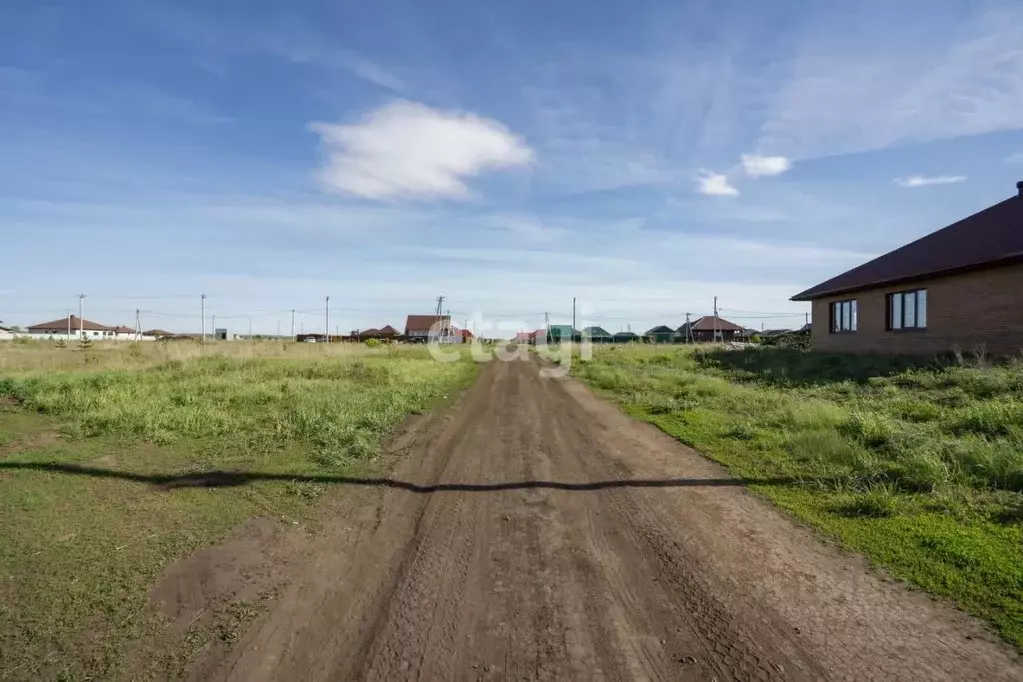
278	329
326	318
213	323
689	331
438	318
138	326
81	323
250	329
69	325
806	317
292	324
715	318
547	326
573	314
203	314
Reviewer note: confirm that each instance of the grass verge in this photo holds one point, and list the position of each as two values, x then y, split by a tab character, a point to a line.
78	553
917	465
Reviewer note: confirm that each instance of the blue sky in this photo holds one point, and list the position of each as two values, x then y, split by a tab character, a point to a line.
641	156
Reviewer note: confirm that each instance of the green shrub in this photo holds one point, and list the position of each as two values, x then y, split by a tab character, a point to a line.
372	343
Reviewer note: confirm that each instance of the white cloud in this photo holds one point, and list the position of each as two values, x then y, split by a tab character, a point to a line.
715	184
757	166
406	149
921	181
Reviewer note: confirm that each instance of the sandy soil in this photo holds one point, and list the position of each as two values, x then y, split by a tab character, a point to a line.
534	532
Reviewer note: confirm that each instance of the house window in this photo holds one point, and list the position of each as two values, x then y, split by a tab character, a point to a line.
843	316
907	310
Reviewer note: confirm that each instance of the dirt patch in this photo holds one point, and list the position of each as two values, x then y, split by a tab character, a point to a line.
547	536
9	401
244	567
29	441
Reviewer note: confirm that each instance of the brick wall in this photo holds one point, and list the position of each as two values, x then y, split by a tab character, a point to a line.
964	312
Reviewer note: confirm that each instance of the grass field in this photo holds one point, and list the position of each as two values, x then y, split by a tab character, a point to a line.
100	450
917	466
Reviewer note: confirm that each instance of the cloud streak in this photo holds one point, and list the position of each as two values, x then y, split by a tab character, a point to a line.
757	166
922	181
882	89
408	150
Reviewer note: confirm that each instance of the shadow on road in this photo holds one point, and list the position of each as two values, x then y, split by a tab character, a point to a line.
219	479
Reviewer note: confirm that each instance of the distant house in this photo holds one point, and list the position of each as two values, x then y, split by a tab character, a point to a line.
709	328
157	333
957	288
523	337
6	334
660	334
386	333
123	333
559	333
58	329
625	337
597	335
420	328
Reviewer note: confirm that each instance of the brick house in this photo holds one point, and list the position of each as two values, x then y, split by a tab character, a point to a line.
709	328
960	288
421	328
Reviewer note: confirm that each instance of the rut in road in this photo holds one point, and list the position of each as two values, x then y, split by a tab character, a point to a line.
547	536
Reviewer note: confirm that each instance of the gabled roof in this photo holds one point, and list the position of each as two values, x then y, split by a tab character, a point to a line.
62	323
991	237
659	330
707	324
563	330
121	329
369	332
593	332
626	335
389	330
422	323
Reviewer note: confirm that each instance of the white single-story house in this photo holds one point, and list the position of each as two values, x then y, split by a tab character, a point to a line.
70	327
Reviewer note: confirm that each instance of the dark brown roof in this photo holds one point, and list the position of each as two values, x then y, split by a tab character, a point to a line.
422	323
369	332
389	330
660	330
61	325
157	332
121	329
707	324
991	237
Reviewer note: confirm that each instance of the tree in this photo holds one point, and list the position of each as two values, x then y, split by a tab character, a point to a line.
16	329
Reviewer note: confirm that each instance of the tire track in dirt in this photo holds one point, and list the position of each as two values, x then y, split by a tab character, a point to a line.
684	581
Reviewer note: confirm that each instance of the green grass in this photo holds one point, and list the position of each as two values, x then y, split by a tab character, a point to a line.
916	464
78	554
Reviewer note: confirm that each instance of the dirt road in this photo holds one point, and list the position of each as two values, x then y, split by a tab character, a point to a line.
533	532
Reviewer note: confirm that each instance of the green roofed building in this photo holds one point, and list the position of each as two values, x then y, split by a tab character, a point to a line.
562	332
660	334
597	335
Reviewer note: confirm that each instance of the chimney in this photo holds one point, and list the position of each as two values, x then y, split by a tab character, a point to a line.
1019	188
